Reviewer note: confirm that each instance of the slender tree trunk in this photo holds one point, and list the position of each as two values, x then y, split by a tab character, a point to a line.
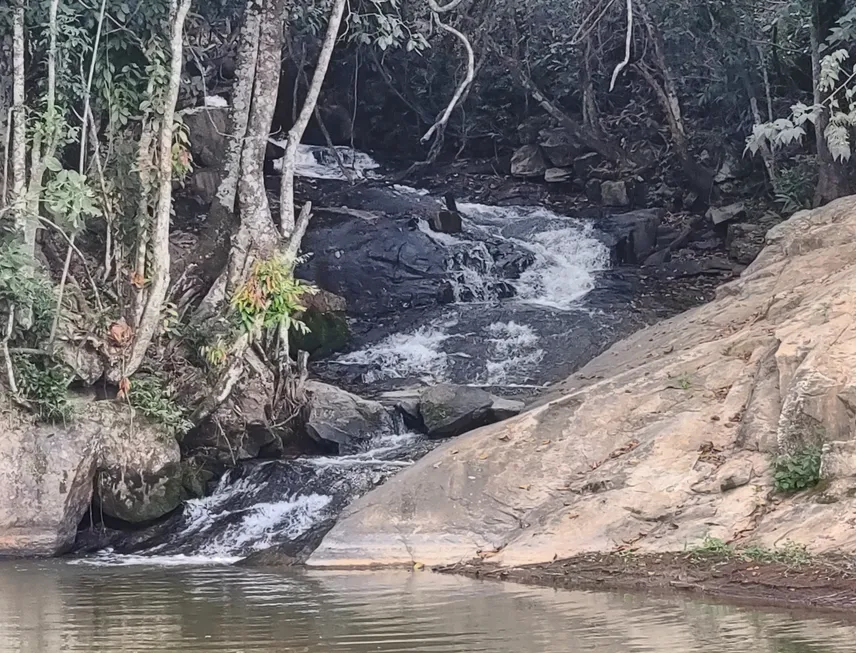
295	134
19	122
832	180
160	260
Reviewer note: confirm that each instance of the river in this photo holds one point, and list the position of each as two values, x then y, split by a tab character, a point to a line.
55	606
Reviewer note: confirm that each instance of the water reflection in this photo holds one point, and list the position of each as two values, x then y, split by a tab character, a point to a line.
52	606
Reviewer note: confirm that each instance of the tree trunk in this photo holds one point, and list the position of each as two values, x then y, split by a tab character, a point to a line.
151	317
295	134
19	123
699	177
832	180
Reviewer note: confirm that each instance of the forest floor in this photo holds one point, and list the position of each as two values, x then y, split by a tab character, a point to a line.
827	583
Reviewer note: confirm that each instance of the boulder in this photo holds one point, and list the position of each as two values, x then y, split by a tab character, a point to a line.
559	147
503	408
614	193
139	476
449	410
342	419
638	445
328	329
558	175
380	265
447	222
723	214
48	472
632	237
528	162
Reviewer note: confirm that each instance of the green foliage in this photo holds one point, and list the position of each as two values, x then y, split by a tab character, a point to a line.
270	297
68	198
44	384
794	185
711	547
791	554
148	395
23	285
797	471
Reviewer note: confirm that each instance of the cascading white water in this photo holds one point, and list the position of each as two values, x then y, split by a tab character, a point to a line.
317	162
565	256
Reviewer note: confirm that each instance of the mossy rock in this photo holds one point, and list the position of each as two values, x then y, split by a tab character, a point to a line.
328	334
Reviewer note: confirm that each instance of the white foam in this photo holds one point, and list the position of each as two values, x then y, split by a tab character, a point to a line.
400	355
409	190
317	162
513	352
107	558
567	253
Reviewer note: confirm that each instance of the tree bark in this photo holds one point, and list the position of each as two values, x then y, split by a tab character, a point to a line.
295	134
832	180
151	317
19	123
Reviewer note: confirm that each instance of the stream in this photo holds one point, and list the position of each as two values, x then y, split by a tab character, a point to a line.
519	298
53	606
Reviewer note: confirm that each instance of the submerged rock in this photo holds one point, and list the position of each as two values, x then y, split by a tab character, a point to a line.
638	446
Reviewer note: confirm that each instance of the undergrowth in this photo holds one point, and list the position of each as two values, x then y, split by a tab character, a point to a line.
790	554
150	397
797	471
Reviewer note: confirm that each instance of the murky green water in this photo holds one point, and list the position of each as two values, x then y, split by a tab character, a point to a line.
53	606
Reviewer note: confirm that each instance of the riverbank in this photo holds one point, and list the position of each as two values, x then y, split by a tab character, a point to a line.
757	577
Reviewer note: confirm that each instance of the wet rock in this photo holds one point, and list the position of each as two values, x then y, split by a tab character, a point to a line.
559	147
328	330
449	410
614	193
720	215
343	419
558	175
411	414
528	162
632	236
593	191
380	266
744	242
447	222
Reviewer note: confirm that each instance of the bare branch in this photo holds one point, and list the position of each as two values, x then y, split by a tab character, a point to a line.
465	83
628	39
442	9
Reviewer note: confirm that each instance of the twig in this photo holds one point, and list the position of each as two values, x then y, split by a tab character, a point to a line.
471	71
627	44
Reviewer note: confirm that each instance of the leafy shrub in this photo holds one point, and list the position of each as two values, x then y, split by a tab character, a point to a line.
270	297
797	471
711	547
791	554
45	385
148	395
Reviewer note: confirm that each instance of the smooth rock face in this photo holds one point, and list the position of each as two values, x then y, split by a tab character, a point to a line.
558	175
47	475
614	193
449	410
138	474
341	418
633	447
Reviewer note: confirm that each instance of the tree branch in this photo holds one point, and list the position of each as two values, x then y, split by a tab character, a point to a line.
465	83
627	43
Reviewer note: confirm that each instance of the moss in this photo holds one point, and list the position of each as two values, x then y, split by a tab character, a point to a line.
328	334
